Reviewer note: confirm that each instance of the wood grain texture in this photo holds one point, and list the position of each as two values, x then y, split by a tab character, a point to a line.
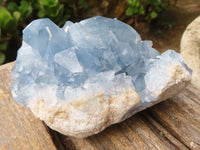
19	129
171	125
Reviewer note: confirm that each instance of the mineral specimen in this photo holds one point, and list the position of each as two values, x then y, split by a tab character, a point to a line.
86	76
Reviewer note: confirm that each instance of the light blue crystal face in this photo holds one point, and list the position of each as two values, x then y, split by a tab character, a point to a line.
98	48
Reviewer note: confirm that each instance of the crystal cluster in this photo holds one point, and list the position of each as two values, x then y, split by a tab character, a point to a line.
96	72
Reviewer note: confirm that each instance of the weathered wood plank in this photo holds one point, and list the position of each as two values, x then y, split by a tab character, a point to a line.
181	117
170	125
173	124
19	129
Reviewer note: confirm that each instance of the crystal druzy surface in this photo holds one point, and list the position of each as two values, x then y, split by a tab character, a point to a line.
96	55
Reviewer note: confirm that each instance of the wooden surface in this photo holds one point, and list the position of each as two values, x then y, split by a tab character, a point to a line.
173	124
19	129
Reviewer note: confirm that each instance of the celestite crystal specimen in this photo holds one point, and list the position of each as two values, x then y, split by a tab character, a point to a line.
86	76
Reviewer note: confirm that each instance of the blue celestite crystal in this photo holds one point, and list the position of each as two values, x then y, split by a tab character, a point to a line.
98	52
